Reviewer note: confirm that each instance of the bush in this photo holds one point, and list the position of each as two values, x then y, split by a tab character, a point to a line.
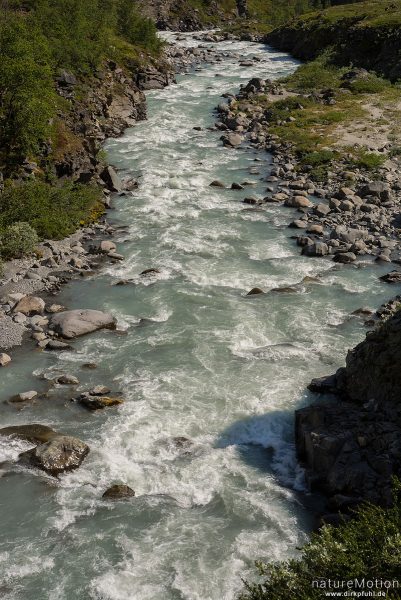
369	85
368	546
315	75
369	160
53	211
18	240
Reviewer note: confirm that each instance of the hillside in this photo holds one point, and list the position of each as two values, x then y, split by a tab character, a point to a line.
365	34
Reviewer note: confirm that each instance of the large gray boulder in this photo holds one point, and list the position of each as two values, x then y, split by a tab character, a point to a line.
74	323
54	453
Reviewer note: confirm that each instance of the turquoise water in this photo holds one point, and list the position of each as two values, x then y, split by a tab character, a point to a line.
193	357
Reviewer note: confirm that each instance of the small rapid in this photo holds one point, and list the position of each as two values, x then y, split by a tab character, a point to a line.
210	377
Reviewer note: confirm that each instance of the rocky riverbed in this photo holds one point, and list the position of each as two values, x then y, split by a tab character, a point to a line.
199	381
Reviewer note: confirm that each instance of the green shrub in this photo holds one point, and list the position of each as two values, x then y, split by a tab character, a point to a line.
369	160
321	157
315	75
369	85
53	211
368	546
18	240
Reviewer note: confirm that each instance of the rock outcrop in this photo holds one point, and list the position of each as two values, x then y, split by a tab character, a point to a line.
352	445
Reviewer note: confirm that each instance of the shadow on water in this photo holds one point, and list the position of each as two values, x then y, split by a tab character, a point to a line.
266	443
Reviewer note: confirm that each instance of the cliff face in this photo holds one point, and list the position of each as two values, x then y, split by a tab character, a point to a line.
351	447
366	35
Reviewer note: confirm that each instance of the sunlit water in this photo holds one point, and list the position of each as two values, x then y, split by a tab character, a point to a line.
205	362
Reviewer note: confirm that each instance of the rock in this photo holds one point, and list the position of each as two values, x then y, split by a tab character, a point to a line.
217	183
315	249
99	402
351	446
67	380
298	224
55	452
24	396
89	366
255	291
5	359
150	272
322	210
55	308
315	229
30	305
111	179
64	453
237	186
118	492
106	246
379	189
345	257
350	236
324	385
393	277
252	200
298	202
100	390
57	345
74	323
232	139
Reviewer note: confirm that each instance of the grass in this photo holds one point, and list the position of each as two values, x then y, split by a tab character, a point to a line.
310	125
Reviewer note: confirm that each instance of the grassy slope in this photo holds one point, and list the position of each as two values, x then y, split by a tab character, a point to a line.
366	34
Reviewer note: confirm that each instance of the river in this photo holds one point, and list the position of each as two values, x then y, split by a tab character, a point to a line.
193	358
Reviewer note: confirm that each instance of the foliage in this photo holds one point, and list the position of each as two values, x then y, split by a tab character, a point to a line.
18	240
134	28
53	211
372	84
369	160
367	546
26	87
315	75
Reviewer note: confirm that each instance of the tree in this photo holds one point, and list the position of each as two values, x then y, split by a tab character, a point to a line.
26	87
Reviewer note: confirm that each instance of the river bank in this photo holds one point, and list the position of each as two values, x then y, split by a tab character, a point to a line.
209	376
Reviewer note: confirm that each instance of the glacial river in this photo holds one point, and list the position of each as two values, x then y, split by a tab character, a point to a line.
193	358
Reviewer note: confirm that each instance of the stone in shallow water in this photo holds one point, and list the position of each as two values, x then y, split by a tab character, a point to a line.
99	402
118	492
255	291
64	453
5	359
74	323
55	452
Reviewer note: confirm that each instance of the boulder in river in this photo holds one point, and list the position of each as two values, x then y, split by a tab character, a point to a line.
74	323
98	402
54	453
217	183
255	291
5	359
232	139
118	492
111	179
393	277
150	272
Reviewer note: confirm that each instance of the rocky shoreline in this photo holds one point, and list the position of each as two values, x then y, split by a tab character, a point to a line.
350	446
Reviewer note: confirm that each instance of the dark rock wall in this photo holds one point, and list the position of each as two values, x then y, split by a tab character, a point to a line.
373	48
351	446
